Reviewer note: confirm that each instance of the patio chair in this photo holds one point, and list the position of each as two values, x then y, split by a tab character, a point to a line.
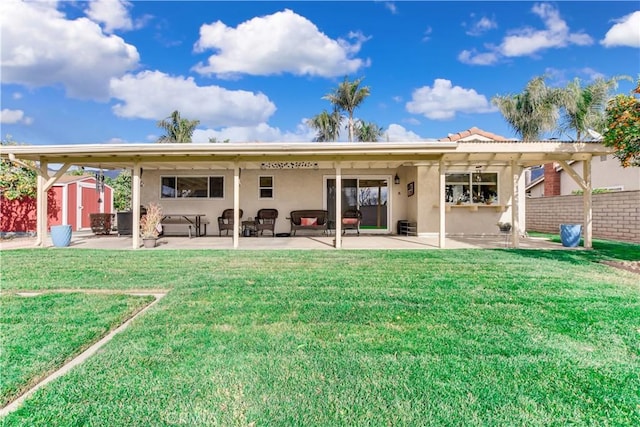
351	220
225	221
266	220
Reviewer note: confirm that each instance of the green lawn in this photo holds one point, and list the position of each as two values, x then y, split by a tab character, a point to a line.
323	338
38	334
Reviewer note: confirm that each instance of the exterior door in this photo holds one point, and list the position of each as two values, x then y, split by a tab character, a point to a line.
369	195
89	204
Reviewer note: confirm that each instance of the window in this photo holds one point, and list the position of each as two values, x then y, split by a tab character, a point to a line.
192	187
475	187
266	187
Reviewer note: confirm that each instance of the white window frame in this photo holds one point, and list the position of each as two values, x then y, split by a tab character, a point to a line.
271	187
208	177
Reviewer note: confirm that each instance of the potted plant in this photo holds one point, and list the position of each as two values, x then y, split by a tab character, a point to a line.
504	227
150	225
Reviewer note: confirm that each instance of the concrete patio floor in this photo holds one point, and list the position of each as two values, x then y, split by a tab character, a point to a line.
87	240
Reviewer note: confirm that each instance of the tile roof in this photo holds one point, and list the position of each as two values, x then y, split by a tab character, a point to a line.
473	134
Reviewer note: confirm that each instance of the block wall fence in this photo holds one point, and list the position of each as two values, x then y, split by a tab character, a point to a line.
616	216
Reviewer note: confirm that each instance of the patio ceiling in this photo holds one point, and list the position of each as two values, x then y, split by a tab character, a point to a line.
255	155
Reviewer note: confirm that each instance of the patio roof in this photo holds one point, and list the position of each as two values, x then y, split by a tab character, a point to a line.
226	155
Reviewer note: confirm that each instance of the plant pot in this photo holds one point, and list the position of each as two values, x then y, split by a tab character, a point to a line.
149	242
61	235
570	234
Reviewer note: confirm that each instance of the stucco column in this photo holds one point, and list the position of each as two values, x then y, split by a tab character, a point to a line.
236	205
515	204
441	204
338	205
136	173
587	204
41	204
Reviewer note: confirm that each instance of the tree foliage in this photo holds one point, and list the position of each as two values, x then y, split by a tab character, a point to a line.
327	125
16	181
368	131
121	185
347	97
623	127
532	112
583	108
177	128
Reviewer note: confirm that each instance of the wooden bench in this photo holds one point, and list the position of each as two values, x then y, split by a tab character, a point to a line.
309	219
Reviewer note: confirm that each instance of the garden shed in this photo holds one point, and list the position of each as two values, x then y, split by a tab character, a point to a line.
70	201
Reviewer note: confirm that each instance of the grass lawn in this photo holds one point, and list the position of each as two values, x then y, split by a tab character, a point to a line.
320	338
38	334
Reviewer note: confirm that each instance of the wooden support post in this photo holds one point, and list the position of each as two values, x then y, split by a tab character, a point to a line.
41	203
135	205
236	205
515	204
441	204
587	204
338	228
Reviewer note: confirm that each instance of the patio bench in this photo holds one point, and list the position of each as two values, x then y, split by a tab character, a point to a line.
309	219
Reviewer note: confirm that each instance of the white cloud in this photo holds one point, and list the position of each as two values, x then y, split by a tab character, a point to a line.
16	95
14	116
626	32
443	101
472	57
154	95
482	26
40	47
529	41
556	34
284	42
392	7
260	133
114	14
397	133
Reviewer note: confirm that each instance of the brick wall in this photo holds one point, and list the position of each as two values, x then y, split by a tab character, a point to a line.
552	182
616	216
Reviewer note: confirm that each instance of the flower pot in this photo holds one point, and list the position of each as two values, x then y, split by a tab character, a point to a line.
61	235
570	234
149	242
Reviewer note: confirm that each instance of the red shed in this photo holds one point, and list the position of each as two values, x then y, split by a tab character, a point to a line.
69	201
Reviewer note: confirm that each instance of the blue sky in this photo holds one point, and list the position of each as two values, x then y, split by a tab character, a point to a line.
105	71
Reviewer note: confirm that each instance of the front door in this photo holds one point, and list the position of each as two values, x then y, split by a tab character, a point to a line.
369	195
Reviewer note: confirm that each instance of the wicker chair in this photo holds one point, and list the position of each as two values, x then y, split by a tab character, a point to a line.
225	221
351	220
266	220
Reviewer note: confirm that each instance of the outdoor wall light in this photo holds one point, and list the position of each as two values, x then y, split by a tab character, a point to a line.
396	179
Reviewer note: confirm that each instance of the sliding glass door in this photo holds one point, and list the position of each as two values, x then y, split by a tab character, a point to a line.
369	195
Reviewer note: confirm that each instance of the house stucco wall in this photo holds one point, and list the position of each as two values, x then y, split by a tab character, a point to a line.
616	216
606	172
293	189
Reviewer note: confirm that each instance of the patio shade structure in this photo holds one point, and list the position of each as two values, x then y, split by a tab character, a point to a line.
334	157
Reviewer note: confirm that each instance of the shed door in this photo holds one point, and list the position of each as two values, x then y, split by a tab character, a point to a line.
89	204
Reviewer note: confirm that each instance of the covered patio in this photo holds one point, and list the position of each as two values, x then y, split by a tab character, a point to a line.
423	165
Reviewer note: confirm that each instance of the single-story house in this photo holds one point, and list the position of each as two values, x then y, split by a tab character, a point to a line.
71	200
462	186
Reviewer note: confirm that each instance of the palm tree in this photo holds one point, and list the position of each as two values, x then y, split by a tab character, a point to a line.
583	108
532	112
177	129
368	132
347	97
327	125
